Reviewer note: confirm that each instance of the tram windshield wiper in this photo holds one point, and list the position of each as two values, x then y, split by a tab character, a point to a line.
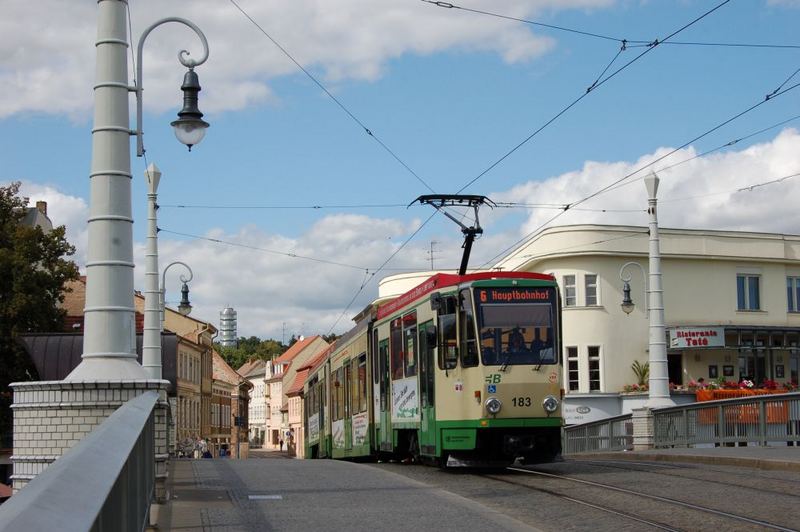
506	360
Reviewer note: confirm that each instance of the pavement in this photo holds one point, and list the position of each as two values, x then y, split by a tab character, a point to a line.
184	513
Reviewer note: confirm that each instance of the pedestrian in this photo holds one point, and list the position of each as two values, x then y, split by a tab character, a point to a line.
281	444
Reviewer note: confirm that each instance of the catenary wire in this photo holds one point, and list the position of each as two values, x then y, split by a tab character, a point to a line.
288	207
712	150
631	43
644	166
586	93
338	102
379	269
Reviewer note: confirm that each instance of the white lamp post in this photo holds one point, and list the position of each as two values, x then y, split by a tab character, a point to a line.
658	383
151	339
109	343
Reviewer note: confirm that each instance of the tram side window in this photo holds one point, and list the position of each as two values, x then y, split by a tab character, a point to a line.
427	343
410	344
340	386
362	382
469	341
348	379
448	351
396	341
373	349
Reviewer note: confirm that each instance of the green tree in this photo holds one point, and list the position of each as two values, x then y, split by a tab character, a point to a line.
33	271
251	348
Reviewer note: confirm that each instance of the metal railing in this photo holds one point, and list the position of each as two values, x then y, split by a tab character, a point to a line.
611	434
104	483
754	420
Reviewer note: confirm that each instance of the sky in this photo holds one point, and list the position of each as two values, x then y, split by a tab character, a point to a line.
296	203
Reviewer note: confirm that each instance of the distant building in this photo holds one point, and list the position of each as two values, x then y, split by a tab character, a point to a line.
37	217
227	327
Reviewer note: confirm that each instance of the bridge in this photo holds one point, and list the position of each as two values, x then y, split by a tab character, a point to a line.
111	473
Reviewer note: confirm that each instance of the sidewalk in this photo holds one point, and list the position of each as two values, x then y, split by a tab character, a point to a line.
773	458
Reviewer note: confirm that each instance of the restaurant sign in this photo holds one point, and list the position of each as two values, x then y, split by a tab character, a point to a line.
696	337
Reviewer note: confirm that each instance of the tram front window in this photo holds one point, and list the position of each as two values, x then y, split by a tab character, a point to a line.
517	333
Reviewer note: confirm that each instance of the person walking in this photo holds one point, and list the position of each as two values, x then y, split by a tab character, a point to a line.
281	444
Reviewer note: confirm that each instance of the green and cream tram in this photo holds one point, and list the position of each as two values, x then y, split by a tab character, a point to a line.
461	370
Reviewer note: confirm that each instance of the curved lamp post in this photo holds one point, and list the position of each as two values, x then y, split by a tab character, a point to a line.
627	303
109	343
190	128
184	307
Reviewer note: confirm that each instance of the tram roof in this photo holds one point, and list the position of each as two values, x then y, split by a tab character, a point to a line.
443	280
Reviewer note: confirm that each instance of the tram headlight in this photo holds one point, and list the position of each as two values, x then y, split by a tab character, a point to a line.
550	404
493	405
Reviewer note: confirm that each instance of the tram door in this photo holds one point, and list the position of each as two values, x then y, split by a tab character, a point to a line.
427	426
348	410
385	431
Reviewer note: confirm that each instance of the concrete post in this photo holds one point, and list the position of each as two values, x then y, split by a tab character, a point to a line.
109	342
151	339
643	429
659	375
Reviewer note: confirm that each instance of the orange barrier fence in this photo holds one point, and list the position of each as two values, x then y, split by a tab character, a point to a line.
777	412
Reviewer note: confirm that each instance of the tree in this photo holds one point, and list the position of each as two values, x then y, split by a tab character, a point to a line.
33	272
251	348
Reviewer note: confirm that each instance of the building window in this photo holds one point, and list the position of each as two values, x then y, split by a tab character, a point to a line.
793	293
747	292
590	284
594	368
572	368
569	291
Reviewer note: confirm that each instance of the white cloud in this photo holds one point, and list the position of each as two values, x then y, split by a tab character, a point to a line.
270	289
701	194
47	51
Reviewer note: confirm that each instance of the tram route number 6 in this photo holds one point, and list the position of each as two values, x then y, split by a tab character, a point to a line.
521	401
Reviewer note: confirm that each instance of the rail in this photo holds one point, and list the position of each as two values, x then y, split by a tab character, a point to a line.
104	483
755	420
611	434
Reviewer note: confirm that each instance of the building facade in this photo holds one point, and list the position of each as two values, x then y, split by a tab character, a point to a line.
254	371
731	306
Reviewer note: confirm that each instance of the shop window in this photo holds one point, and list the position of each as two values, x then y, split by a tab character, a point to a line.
793	293
590	288
572	368
748	292
594	368
569	291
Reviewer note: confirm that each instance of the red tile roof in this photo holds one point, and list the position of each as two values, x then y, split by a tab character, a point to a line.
295	350
223	372
251	366
318	359
299	380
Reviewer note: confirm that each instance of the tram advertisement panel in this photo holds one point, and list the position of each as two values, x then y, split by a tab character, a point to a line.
405	400
338	434
360	425
313	428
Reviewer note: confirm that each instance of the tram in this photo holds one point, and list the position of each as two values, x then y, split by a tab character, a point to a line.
462	370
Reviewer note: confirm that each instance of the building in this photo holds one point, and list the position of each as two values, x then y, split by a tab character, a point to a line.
731	305
37	217
227	327
228	387
285	420
254	371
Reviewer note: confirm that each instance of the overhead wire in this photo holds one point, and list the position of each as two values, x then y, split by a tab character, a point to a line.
589	91
287	207
639	169
336	100
631	43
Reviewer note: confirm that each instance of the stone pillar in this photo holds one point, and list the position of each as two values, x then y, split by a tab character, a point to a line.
643	429
52	416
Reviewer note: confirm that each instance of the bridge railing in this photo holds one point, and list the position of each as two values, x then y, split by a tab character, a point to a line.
755	420
611	434
104	483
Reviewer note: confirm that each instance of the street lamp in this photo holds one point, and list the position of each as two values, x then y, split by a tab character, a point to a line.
184	308
109	342
658	384
190	128
627	303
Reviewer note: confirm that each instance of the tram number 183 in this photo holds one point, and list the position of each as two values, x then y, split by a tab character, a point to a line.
521	401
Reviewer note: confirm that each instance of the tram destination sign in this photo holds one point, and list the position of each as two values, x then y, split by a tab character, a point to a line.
515	295
696	337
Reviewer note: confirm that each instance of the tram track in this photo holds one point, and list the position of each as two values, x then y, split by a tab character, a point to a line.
741	520
692	474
